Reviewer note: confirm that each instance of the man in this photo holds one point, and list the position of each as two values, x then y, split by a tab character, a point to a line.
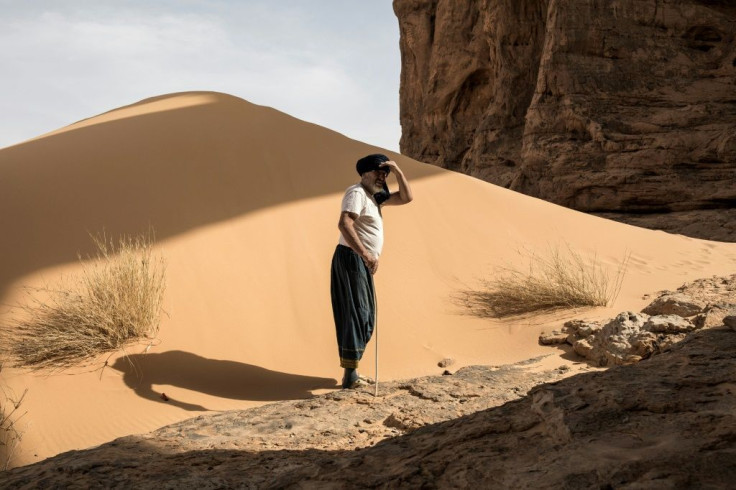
356	258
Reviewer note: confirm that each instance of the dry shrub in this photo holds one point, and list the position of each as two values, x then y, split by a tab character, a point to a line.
558	280
115	300
10	436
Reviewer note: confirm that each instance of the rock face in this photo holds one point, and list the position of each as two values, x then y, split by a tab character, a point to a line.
668	422
625	107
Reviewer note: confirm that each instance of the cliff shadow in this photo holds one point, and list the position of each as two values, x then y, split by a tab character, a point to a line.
167	167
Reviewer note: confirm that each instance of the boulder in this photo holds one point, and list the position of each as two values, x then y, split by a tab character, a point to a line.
714	315
715	290
580	329
668	324
447	362
623	340
584	348
631	337
674	304
553	338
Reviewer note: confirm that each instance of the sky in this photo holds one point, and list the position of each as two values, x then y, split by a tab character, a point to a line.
335	63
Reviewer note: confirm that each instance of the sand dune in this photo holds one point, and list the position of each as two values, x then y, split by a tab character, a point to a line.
244	201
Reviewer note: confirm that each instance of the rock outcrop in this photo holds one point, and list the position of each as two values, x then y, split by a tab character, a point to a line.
626	108
626	339
630	337
668	422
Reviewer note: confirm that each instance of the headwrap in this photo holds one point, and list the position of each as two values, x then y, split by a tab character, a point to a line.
372	162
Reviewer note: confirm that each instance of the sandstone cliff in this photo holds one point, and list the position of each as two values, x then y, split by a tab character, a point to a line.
626	107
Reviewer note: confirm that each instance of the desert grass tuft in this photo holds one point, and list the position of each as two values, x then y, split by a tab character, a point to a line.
560	279
116	299
10	435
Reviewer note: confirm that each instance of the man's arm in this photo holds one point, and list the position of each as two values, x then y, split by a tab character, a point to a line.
404	196
346	225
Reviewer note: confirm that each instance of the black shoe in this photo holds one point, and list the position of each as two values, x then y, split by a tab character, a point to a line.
350	378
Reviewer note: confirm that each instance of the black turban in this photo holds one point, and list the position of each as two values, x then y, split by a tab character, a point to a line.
372	162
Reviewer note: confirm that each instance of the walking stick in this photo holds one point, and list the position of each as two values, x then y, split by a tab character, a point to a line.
375	323
375	393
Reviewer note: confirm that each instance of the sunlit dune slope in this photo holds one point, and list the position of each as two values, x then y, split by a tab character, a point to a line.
244	201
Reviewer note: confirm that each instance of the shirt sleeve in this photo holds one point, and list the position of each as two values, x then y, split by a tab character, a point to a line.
353	202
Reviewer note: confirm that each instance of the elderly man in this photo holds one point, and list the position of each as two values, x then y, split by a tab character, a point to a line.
356	258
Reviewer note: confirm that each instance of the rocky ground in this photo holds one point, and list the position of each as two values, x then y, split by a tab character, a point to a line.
668	421
337	423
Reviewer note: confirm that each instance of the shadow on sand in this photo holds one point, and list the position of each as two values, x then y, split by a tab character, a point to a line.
220	378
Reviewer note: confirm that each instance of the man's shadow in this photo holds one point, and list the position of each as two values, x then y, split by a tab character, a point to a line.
224	379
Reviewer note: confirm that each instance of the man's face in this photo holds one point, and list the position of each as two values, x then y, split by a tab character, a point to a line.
374	180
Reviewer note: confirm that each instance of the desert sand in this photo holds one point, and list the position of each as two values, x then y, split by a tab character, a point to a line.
244	201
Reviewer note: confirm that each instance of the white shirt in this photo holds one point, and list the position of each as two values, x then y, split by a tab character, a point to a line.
369	223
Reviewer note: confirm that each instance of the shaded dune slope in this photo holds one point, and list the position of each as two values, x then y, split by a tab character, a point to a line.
172	162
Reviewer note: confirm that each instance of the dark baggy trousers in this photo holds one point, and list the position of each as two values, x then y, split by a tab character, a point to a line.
353	304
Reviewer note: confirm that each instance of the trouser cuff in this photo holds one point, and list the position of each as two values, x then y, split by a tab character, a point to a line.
348	363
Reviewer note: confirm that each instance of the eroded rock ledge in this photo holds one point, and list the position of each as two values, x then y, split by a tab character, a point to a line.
666	422
625	107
